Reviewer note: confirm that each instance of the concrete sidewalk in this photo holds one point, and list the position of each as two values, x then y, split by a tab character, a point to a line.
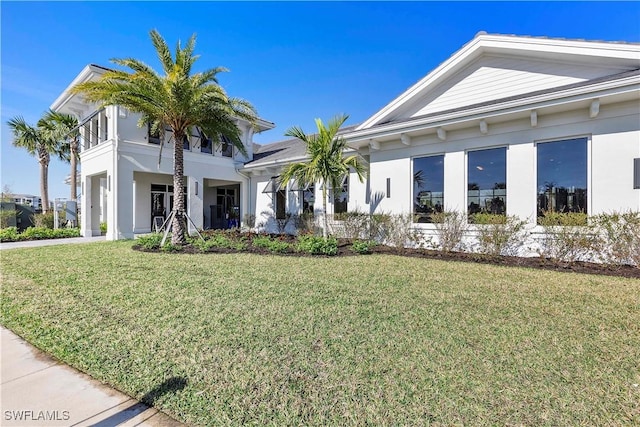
38	391
50	242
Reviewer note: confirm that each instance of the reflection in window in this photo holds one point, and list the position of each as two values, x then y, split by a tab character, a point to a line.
281	203
341	197
308	199
562	176
428	187
487	181
205	145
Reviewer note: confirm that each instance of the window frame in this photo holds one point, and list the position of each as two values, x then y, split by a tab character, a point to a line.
536	142
412	181
506	176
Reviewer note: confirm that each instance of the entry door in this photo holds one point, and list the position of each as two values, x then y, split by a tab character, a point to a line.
158	207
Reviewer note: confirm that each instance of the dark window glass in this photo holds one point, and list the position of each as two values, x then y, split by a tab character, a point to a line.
341	198
205	145
428	187
308	199
185	142
562	176
487	181
281	204
154	137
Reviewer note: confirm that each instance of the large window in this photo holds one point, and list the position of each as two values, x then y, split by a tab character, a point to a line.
487	181
428	187
341	197
562	176
281	204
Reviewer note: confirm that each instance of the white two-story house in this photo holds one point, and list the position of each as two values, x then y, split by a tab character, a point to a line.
127	180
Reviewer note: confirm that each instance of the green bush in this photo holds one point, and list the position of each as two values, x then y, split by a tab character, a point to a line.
170	247
317	245
150	241
103	228
273	245
9	234
362	247
43	220
570	219
39	233
487	218
221	240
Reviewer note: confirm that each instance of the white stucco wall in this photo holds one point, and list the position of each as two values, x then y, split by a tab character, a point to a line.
614	141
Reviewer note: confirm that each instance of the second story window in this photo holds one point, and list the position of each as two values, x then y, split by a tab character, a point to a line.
153	137
226	148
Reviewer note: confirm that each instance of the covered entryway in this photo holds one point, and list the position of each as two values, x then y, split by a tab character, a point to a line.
221	204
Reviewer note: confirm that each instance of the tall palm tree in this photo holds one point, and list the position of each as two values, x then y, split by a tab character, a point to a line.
327	163
179	99
38	141
64	129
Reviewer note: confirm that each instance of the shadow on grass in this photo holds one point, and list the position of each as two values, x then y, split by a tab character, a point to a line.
172	385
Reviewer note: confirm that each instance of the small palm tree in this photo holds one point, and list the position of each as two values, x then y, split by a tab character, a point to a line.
38	141
327	163
64	129
179	99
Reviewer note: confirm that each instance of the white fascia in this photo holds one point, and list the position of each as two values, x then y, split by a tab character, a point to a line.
87	73
623	54
359	138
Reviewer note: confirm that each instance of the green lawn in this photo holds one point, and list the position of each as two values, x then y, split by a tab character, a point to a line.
379	340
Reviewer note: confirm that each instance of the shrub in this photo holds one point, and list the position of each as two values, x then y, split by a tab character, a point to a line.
317	245
620	237
249	221
39	233
400	231
7	217
43	220
9	234
450	227
499	234
379	227
362	247
272	245
566	243
150	241
354	224
103	228
551	218
170	247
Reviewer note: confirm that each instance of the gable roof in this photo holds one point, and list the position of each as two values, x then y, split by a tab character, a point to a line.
284	151
616	56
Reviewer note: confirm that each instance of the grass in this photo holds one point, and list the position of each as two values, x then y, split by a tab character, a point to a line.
237	339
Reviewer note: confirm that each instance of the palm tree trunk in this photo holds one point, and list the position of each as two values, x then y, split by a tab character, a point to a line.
43	159
177	229
325	226
73	150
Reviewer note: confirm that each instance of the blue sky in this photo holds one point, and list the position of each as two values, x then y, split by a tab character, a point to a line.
294	61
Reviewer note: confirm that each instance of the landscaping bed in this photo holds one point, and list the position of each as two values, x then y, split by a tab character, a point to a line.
11	234
234	241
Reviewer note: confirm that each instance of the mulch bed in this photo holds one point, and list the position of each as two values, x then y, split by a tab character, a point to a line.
344	249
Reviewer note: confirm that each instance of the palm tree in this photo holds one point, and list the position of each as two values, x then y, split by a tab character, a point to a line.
64	129
38	141
179	100
327	163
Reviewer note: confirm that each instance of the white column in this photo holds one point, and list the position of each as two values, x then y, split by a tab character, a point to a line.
86	183
122	188
195	208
